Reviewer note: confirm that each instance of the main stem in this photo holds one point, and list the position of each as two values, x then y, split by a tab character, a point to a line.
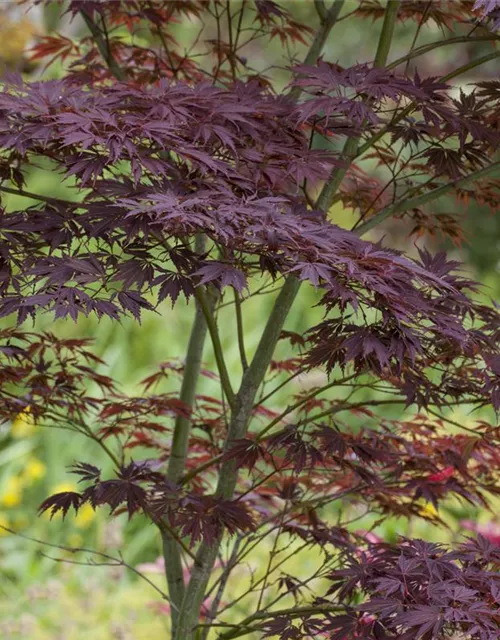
180	443
254	375
350	150
252	379
207	554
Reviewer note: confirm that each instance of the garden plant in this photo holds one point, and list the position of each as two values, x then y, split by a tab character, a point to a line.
201	175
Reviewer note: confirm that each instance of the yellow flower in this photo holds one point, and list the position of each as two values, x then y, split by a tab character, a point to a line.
23	424
84	516
62	487
14	38
4	522
33	471
12	493
429	510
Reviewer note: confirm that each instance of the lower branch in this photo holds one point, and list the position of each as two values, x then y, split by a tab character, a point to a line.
108	560
417	201
245	627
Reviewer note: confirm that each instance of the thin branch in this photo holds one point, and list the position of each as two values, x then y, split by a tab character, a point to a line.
103	46
79	427
269	570
426	48
471	65
117	562
216	343
299	403
232	51
102	444
254	585
453	422
294	612
349	406
280	386
421	22
231	563
197	470
301	583
240	331
409	108
350	150
417	201
165	528
36	196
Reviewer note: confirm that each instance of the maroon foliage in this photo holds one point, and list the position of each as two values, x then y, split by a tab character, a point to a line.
195	177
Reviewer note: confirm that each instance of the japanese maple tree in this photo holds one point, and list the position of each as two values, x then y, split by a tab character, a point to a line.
198	177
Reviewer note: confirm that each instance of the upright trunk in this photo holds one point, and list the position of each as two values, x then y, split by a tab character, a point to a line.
252	379
254	375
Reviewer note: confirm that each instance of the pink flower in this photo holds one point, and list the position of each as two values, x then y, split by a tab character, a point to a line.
491	530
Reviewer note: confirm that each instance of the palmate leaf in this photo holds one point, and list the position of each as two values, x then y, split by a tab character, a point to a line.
245	453
87	472
206	518
489	8
61	502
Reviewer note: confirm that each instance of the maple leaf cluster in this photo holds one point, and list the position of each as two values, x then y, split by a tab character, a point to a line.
419	590
228	173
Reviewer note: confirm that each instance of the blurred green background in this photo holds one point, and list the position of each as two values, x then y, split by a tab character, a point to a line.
41	598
